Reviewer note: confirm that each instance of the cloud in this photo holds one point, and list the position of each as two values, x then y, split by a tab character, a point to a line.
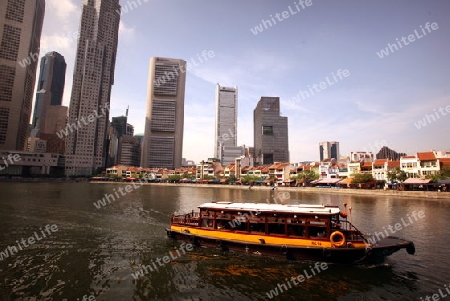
62	8
63	43
125	31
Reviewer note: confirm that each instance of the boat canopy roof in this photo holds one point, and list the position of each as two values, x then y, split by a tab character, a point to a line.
264	207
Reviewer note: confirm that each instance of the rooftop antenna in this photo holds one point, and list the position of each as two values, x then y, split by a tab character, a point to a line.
126	114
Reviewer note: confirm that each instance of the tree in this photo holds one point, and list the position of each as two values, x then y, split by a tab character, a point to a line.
307	175
248	178
392	176
401	176
397	175
440	175
362	178
174	178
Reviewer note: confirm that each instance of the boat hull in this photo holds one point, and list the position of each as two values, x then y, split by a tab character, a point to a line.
348	255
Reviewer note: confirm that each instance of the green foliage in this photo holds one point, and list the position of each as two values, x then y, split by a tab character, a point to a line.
361	178
440	175
307	175
187	176
174	178
248	178
397	175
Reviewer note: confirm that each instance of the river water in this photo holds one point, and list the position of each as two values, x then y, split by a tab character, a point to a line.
94	251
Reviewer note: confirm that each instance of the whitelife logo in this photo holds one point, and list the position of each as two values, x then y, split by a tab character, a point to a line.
431	118
411	38
12	250
318	266
76	126
171	75
166	259
266	24
398	227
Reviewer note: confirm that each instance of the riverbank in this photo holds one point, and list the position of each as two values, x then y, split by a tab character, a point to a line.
348	191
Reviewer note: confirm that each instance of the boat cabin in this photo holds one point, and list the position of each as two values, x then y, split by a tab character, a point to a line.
315	222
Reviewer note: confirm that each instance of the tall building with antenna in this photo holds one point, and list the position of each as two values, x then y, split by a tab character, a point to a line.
91	89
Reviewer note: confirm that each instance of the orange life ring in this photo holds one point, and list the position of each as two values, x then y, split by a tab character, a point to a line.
340	242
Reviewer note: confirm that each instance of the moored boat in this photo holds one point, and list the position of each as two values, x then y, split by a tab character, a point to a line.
294	232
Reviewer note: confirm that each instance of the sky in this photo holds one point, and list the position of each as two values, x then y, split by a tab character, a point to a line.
323	59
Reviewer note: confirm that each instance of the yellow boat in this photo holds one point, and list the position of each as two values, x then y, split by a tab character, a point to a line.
295	232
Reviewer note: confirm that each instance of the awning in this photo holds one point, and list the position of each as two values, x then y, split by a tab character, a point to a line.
315	182
416	181
329	181
346	181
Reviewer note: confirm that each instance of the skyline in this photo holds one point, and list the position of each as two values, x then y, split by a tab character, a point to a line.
381	99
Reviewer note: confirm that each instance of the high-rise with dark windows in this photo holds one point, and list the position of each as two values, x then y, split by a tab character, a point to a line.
20	34
328	150
164	118
50	87
271	140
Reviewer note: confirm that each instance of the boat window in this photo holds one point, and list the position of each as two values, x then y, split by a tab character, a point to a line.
275	228
317	231
239	223
258	227
257	224
223	224
207	222
296	230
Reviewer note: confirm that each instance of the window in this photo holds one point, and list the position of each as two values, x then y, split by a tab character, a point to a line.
267	130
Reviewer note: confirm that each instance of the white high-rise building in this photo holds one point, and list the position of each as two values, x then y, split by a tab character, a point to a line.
226	123
86	143
162	145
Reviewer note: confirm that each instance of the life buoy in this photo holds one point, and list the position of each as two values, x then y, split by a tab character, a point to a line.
340	242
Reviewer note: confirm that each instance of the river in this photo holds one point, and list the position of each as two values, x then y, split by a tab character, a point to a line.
94	252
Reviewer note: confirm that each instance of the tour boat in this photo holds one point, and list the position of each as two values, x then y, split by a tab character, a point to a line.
294	232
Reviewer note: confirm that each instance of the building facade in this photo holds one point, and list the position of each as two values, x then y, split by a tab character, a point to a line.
164	119
50	87
329	150
86	147
129	151
20	34
387	153
226	122
271	141
49	115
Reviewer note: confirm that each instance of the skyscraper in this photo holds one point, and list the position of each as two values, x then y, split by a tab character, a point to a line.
20	35
271	140
226	121
328	150
86	147
50	87
164	118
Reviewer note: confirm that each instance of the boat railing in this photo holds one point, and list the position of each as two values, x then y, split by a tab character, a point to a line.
191	219
351	232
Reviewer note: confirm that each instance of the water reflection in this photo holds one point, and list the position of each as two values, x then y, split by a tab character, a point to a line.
96	250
